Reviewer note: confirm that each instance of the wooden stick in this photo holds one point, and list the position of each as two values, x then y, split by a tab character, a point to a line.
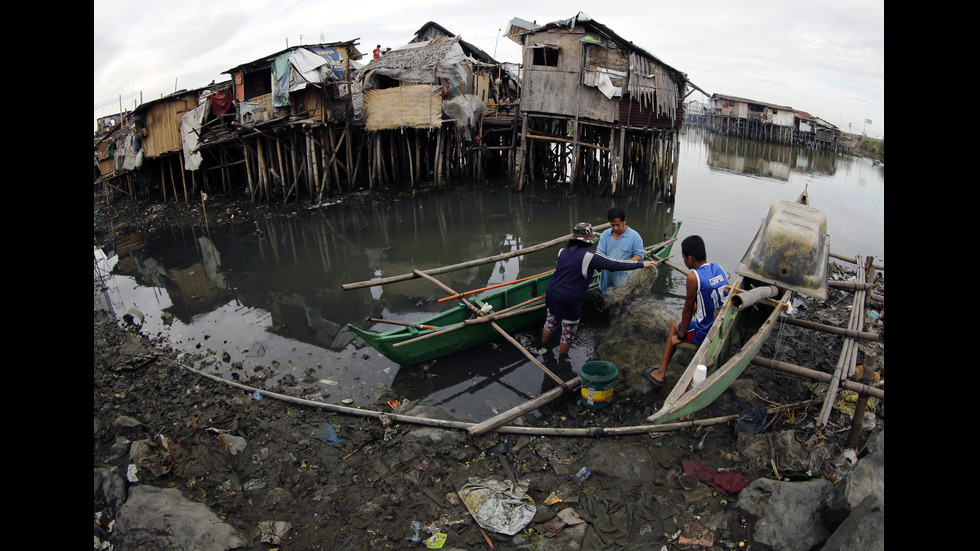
521	409
466	323
468	264
405	323
444	299
495	326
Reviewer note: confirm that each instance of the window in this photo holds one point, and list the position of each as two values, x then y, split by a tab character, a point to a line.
546	56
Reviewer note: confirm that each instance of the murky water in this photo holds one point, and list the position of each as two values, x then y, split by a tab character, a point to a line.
266	299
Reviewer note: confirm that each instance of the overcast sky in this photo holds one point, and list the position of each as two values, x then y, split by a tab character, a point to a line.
826	58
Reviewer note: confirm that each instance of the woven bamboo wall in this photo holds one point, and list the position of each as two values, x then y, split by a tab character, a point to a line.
417	106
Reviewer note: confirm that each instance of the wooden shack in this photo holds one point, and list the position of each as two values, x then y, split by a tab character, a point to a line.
293	122
425	104
595	107
752	119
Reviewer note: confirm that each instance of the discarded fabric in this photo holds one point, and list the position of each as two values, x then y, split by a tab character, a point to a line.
729	483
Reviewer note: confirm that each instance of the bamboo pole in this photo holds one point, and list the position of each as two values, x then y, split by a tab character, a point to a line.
498	328
819	376
521	409
474	291
468	264
474	321
404	323
847	360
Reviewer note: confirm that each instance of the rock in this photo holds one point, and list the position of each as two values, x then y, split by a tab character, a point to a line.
110	486
162	518
787	512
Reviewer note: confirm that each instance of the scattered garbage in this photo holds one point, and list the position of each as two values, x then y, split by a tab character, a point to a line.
552	499
273	531
257	395
415	525
501	506
424	465
727	482
436	541
751	421
581	475
565	517
133	317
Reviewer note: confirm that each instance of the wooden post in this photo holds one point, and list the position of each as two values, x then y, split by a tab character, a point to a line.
282	168
861	406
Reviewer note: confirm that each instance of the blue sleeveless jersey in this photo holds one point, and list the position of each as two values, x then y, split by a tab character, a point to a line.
711	295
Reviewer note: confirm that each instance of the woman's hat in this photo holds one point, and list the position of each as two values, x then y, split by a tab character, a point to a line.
583	232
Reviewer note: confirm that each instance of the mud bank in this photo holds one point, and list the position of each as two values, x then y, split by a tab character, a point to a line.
241	470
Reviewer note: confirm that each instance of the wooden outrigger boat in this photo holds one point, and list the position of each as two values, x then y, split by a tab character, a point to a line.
789	255
511	308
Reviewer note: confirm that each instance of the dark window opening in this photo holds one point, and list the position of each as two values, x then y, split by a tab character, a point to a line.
547	56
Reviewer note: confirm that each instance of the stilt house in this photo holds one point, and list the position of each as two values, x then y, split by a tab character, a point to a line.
595	104
294	113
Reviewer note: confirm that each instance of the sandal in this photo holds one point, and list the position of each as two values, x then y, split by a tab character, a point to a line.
648	373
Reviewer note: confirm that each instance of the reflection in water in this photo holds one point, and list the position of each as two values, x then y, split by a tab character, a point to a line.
268	297
764	159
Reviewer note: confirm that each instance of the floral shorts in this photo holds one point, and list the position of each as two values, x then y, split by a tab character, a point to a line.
568	328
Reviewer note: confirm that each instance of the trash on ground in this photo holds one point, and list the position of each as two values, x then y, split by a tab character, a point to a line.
501	506
436	541
729	483
581	475
273	531
565	517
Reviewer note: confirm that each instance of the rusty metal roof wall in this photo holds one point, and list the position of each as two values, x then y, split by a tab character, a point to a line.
263	61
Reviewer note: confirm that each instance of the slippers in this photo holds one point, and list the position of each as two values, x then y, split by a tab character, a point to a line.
648	373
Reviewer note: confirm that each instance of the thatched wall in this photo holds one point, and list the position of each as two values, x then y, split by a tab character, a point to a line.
417	106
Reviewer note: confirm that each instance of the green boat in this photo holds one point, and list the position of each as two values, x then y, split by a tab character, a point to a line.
513	308
789	254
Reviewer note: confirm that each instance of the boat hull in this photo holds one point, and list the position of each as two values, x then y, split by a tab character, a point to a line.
408	345
733	329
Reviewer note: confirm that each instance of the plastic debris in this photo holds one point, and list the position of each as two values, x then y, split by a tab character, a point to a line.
393	404
552	499
415	528
501	506
436	541
256	395
565	517
424	465
581	475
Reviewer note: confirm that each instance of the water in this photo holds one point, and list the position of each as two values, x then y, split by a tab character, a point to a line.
268	296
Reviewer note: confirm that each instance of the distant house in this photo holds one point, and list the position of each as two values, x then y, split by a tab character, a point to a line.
767	121
602	87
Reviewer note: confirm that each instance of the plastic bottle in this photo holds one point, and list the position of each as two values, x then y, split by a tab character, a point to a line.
699	374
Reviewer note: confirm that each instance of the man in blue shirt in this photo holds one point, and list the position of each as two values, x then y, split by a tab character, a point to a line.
566	291
707	289
619	242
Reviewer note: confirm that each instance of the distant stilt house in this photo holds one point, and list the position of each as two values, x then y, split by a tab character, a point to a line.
595	108
146	149
815	132
424	105
757	120
292	125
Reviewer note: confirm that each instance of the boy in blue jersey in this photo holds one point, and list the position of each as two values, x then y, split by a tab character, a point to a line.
706	292
568	286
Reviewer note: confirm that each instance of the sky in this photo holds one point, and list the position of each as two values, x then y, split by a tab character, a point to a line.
826	58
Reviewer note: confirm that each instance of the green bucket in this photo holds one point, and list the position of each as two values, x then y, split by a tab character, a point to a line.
598	380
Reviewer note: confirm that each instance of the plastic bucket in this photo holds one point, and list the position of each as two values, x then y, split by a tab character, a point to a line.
598	380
